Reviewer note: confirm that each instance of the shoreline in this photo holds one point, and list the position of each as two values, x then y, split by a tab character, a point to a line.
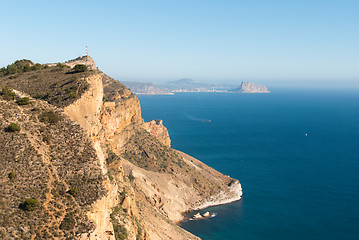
223	198
219	199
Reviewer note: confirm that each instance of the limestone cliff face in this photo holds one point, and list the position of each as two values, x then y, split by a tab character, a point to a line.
159	131
108	124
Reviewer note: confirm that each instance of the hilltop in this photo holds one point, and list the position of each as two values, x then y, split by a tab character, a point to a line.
79	162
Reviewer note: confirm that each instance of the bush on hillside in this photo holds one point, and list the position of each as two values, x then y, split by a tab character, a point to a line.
20	66
12	175
68	223
60	65
7	93
73	191
13	127
79	68
50	117
30	204
23	101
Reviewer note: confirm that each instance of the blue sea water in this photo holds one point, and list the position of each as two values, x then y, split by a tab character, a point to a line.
295	186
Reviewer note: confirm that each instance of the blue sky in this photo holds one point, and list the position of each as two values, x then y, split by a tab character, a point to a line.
267	41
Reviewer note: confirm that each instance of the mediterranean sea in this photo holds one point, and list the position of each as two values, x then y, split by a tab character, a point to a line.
295	152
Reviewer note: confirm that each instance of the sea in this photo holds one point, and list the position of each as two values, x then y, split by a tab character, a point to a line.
295	152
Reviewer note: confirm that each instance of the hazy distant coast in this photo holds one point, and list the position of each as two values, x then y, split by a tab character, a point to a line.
189	85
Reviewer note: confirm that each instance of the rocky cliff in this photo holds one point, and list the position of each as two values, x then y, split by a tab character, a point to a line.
250	87
142	185
159	131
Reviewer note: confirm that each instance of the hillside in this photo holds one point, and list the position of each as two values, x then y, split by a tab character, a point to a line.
79	162
146	88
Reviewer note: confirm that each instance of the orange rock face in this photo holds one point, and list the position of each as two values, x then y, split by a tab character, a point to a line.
159	131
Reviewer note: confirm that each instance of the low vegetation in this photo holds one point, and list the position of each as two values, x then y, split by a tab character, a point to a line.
147	152
68	223
12	175
7	93
13	127
59	85
23	101
50	117
73	191
20	66
79	68
119	229
30	204
34	201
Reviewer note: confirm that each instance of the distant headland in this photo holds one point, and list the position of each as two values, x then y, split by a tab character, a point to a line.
189	85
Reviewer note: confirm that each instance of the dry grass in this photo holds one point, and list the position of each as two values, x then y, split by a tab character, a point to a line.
45	171
57	85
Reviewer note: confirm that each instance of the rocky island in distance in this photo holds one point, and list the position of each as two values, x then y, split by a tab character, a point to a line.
189	85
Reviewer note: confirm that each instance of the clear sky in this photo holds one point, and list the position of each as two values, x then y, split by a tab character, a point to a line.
267	41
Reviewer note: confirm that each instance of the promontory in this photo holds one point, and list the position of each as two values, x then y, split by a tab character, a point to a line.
77	160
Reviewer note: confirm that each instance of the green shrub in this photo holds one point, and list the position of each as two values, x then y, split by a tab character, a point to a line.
68	223
80	68
7	93
20	66
23	101
26	68
50	117
131	177
12	175
72	95
37	66
13	127
46	139
112	157
73	191
120	231
60	65
30	204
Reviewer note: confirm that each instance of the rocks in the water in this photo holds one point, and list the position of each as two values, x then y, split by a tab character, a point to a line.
199	216
206	214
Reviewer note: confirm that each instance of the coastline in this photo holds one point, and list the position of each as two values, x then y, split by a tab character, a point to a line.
222	197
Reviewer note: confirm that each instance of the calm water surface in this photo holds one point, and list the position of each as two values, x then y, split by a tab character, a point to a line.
295	186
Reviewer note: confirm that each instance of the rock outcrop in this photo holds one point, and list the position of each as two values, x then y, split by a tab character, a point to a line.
143	185
85	60
250	87
159	131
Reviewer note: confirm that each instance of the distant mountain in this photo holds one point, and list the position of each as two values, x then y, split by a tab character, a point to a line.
185	84
146	88
183	81
189	85
250	87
